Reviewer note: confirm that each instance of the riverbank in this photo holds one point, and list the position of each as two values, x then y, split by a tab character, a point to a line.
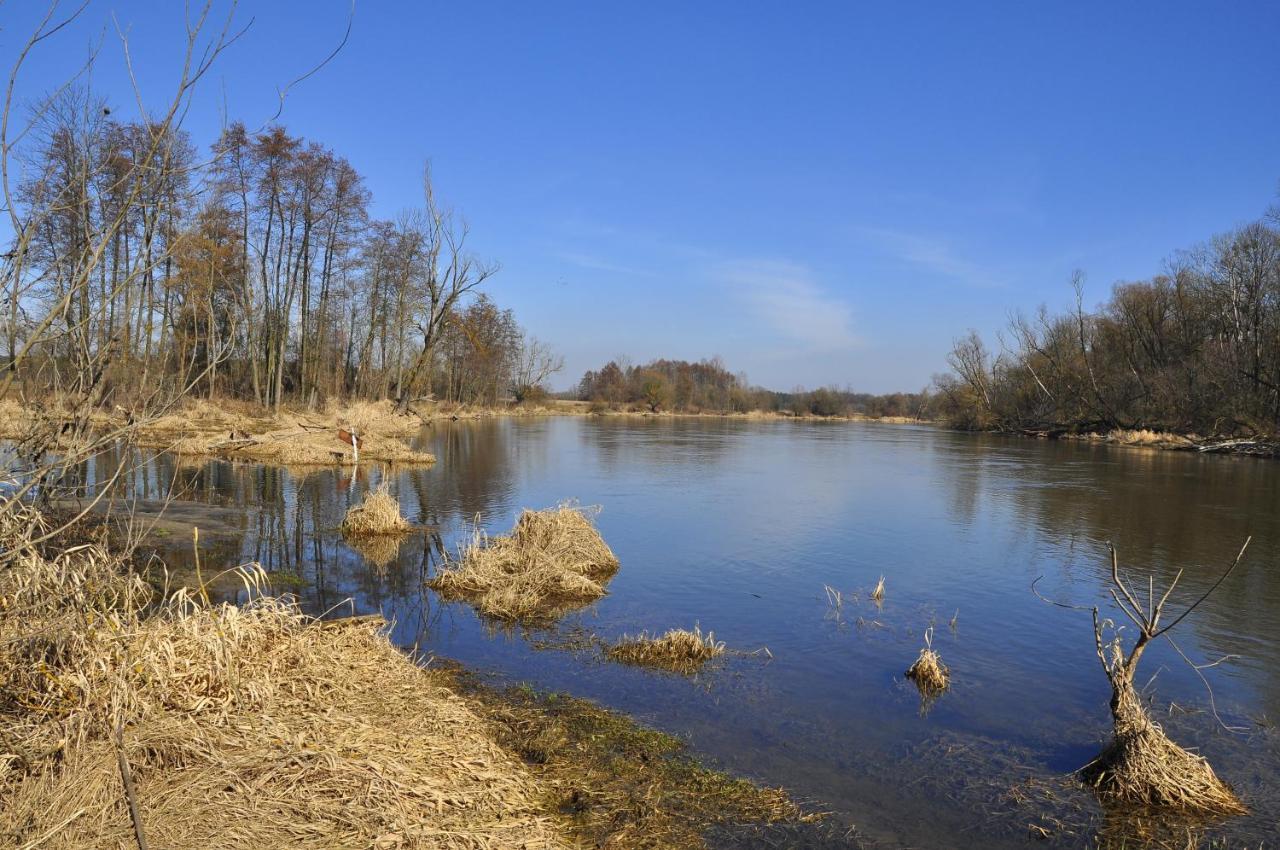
1161	440
257	726
199	429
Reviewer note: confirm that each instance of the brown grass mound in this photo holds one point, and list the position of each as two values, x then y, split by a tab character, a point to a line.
928	672
237	727
679	649
379	513
552	562
1141	766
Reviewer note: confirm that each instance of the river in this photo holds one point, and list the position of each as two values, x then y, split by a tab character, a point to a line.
738	525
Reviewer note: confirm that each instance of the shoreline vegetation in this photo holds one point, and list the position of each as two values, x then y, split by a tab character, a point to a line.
127	713
1188	359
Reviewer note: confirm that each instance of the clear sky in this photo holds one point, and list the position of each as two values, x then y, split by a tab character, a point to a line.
818	193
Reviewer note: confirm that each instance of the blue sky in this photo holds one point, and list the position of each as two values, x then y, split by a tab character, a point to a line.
818	193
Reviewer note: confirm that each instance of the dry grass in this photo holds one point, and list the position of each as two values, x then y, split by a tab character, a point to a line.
552	562
240	727
928	672
1143	767
238	430
378	514
877	594
679	650
1145	437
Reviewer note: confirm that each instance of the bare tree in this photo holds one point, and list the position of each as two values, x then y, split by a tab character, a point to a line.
448	272
535	364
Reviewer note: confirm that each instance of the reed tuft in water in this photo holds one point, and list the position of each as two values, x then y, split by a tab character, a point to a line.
680	650
552	562
928	672
379	513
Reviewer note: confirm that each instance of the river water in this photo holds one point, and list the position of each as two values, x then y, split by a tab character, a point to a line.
738	525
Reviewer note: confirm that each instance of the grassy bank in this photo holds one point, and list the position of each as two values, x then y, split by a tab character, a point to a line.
198	725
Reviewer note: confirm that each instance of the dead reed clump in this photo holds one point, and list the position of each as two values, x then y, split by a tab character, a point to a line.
238	727
1142	766
379	513
552	562
928	672
1145	437
877	594
679	650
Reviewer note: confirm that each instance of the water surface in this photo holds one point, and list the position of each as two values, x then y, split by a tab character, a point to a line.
738	525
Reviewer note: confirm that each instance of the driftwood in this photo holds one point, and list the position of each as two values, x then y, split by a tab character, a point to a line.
1261	448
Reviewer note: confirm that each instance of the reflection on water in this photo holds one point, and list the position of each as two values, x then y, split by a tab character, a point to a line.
738	525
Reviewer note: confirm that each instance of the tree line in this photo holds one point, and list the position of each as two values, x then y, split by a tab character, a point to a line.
254	270
1192	350
709	387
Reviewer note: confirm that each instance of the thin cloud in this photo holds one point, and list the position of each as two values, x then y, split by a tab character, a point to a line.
931	253
594	263
786	298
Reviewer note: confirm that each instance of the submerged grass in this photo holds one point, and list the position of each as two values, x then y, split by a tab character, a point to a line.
240	727
618	784
378	514
680	650
552	562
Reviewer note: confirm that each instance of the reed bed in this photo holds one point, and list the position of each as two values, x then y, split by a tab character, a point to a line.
679	650
239	727
1146	437
552	562
377	514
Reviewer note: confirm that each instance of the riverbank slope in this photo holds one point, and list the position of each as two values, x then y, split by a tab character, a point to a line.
202	725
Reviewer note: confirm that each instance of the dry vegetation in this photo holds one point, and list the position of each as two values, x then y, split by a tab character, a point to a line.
552	562
680	650
928	672
255	726
1142	765
199	429
235	727
378	514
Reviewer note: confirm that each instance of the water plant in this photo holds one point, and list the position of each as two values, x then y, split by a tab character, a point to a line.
554	560
928	672
379	513
681	650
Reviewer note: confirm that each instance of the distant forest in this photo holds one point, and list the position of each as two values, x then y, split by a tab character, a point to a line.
709	387
1193	350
